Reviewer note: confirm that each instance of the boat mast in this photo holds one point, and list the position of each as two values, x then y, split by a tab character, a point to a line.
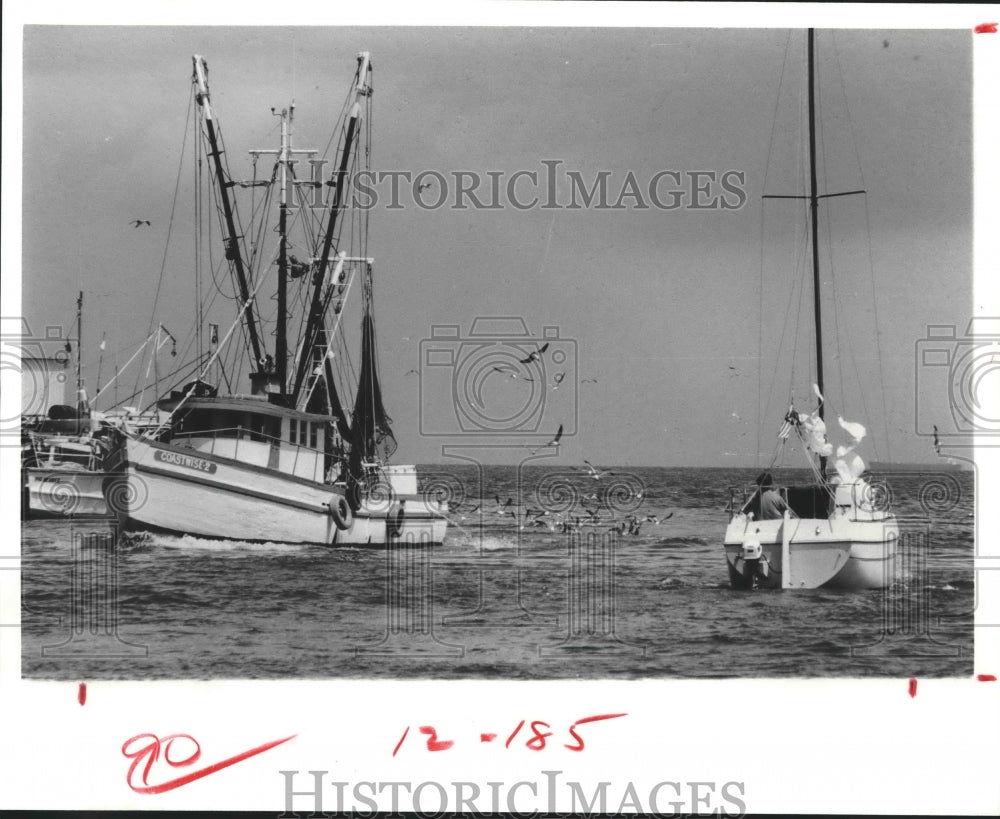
814	214
281	342
79	348
232	238
314	336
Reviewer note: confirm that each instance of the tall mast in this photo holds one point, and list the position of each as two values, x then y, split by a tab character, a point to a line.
232	238
814	214
281	342
314	336
79	353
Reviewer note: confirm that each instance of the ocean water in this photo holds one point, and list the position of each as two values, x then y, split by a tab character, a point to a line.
496	601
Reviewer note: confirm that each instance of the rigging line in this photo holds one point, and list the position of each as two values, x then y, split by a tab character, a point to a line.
338	126
774	116
239	240
139	392
801	268
186	368
878	342
218	209
760	339
214	266
847	107
170	223
797	288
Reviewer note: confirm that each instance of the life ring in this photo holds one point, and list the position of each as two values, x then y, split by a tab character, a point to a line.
340	509
354	495
394	518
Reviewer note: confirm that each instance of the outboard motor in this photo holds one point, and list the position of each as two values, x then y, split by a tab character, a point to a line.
752	562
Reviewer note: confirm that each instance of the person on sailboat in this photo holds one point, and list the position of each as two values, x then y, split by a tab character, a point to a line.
772	505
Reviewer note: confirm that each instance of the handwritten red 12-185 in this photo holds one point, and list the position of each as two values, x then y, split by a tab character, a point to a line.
536	741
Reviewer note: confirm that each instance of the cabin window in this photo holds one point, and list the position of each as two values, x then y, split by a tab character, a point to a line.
293	430
312	435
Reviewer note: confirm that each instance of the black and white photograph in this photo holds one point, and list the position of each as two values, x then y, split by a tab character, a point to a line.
533	356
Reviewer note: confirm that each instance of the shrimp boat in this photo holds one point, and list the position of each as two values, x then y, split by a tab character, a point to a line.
836	532
283	463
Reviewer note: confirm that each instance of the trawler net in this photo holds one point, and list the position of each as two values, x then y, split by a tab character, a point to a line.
371	434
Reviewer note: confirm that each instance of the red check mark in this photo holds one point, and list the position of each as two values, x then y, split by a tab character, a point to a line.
150	752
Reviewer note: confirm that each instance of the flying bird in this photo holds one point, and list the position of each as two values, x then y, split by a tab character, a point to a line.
557	380
553	442
423	186
937	441
535	354
596	473
501	507
471	511
589	381
138	222
415	372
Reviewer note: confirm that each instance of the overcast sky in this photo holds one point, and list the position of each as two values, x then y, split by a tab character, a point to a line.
660	306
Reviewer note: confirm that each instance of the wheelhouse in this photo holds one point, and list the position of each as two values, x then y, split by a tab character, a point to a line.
252	430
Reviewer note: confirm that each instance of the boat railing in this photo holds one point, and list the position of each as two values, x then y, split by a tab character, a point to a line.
238	434
804	501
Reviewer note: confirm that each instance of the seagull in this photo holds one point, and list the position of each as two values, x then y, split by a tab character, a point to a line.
558	379
594	472
415	372
423	185
529	518
937	441
138	222
471	511
553	442
502	506
589	381
535	354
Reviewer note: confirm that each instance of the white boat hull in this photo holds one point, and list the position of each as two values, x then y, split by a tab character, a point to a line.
55	492
186	491
832	553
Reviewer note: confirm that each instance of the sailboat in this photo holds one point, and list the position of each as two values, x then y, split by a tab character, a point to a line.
837	532
283	463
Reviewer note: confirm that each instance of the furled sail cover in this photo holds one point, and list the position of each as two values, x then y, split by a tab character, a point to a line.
371	434
814	434
848	464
